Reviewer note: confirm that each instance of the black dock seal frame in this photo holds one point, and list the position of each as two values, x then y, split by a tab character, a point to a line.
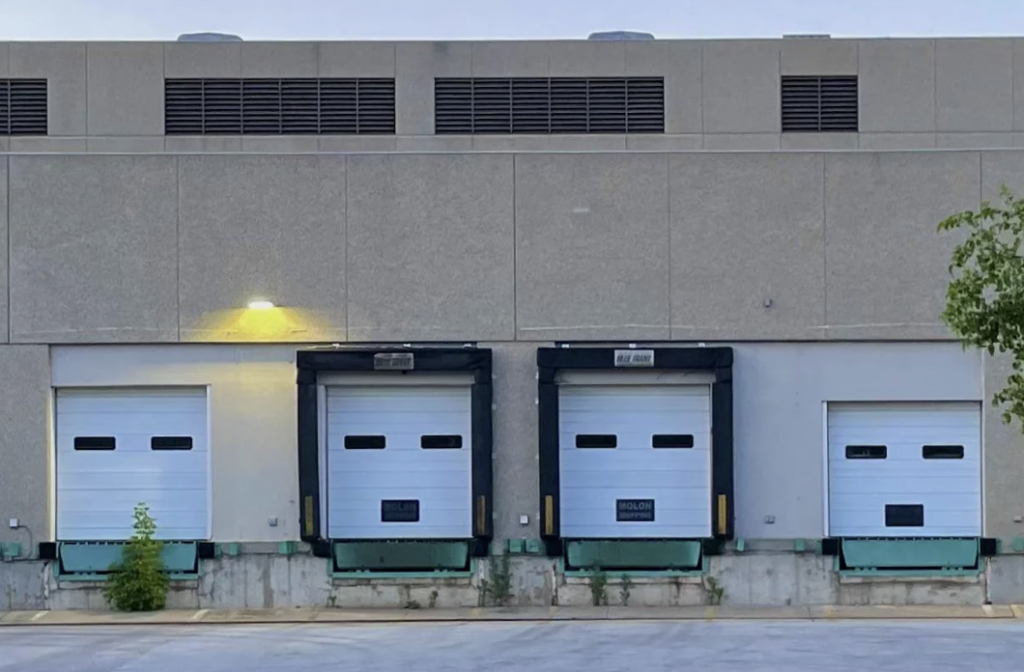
361	359
717	360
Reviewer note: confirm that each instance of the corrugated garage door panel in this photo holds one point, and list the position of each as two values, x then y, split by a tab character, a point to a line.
391	446
119	447
904	470
608	435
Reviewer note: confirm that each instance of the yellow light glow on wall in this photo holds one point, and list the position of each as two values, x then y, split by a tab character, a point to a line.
262	321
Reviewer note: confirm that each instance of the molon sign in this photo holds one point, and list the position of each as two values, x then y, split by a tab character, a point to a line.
634	510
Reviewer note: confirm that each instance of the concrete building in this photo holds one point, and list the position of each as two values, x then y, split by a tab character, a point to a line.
663	309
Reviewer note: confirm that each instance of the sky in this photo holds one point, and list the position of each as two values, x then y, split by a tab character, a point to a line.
502	19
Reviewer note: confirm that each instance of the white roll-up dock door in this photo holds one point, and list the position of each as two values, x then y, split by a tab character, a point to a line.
904	469
117	448
635	460
399	461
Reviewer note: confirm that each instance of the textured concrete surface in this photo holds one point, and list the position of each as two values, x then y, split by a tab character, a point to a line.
430	248
261	579
872	200
270	227
999	169
897	141
203	59
747	229
1004	498
5	325
1006	579
24	448
93	249
974	85
280	59
819	57
897	98
591	253
461	247
359	59
740	86
515	440
125	88
652	646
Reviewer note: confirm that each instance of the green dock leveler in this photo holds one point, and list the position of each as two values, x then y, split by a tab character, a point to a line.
400	557
93	560
913	556
638	555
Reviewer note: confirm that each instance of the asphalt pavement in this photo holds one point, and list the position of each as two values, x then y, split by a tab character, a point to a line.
558	646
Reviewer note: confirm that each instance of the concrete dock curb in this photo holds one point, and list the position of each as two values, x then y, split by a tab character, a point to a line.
386	616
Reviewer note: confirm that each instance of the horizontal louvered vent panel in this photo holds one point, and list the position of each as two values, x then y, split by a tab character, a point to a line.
549	105
819	104
23	104
299	106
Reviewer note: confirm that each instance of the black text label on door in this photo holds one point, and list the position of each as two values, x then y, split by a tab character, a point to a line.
634	510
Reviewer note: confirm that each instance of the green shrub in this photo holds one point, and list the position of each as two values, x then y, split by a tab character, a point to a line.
139	582
599	588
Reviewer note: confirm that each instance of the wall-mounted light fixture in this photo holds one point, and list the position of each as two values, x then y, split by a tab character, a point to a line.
260	304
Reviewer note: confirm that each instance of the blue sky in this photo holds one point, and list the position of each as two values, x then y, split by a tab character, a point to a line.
502	19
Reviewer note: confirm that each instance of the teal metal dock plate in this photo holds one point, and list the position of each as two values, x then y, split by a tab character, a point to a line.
97	558
909	554
399	556
635	555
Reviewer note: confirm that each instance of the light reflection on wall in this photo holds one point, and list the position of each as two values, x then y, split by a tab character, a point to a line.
263	325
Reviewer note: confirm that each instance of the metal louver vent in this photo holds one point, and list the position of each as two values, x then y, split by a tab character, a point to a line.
301	106
819	104
23	107
549	105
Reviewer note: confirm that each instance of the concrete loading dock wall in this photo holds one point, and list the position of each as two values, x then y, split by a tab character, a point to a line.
751	250
780	494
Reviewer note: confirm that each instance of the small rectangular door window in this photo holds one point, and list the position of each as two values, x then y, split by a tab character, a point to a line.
597	441
171	443
866	452
440	441
362	442
672	441
942	452
95	443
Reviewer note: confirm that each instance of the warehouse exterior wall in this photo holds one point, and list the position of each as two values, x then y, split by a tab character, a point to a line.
780	392
780	473
718	246
127	258
26	452
252	422
719	94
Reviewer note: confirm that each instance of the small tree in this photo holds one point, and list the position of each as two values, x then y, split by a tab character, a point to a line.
985	298
138	582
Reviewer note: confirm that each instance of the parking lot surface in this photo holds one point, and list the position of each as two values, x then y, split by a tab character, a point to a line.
783	646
